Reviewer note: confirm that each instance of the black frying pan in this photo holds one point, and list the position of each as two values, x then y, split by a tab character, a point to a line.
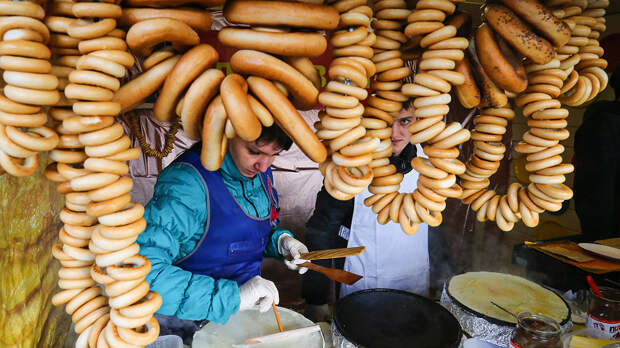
382	318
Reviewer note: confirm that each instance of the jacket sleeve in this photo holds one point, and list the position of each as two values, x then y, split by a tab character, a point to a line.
175	222
272	246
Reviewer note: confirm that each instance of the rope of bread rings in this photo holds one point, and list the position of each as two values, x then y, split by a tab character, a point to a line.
30	85
98	202
433	81
545	117
341	125
581	58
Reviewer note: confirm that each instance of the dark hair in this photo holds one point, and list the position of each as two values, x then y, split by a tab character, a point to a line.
275	134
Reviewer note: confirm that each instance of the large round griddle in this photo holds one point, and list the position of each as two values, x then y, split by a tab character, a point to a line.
501	322
378	318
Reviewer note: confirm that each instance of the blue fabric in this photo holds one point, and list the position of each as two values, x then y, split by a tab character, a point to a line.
230	251
176	217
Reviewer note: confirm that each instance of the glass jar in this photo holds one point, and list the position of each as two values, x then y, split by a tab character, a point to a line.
535	331
604	312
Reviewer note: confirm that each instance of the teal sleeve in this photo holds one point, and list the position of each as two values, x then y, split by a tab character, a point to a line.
175	222
272	247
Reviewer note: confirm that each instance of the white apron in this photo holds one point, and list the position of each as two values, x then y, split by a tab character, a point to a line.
392	259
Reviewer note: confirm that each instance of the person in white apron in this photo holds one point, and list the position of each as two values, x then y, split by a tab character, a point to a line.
391	260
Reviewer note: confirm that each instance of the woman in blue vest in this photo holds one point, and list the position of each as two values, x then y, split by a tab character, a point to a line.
208	231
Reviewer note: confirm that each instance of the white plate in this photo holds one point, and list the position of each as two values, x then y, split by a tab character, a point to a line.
603	250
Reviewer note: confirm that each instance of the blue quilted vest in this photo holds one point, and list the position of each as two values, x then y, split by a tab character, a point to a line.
233	241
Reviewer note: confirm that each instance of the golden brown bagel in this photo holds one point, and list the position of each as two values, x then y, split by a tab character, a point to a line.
144	35
281	13
501	66
467	93
264	65
287	117
512	29
198	19
542	19
191	64
282	44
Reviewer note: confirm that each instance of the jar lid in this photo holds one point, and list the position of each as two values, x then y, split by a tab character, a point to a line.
538	324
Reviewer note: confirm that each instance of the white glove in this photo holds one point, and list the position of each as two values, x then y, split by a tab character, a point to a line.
258	289
291	247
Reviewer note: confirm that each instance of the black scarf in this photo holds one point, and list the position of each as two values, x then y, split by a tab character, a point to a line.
403	161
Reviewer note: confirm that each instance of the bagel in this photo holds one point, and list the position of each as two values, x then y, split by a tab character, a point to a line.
135	92
498	61
492	96
536	14
283	44
508	25
173	3
198	19
191	64
280	13
269	67
288	118
468	92
144	35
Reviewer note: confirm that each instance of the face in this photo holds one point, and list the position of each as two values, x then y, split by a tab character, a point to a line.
400	133
251	157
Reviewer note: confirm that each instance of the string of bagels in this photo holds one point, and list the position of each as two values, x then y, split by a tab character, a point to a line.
66	60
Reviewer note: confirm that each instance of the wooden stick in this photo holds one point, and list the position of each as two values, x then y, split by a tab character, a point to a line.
332	253
275	311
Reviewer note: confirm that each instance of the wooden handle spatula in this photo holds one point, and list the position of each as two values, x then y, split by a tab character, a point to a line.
332	253
334	274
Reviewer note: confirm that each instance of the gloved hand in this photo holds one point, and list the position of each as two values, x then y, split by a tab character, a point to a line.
290	247
258	289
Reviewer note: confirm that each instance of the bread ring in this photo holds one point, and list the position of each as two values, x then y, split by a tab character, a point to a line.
123	231
144	35
107	207
127	322
131	213
422	27
151	330
560	169
108	149
427	133
351	161
88	29
115	257
550	114
360	147
432	111
514	31
31	96
460	43
355	50
45	141
383	189
106	44
433	218
75	91
89	307
67	156
449	165
394	74
435	152
64	296
459	137
502	66
96	330
303	15
339	195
